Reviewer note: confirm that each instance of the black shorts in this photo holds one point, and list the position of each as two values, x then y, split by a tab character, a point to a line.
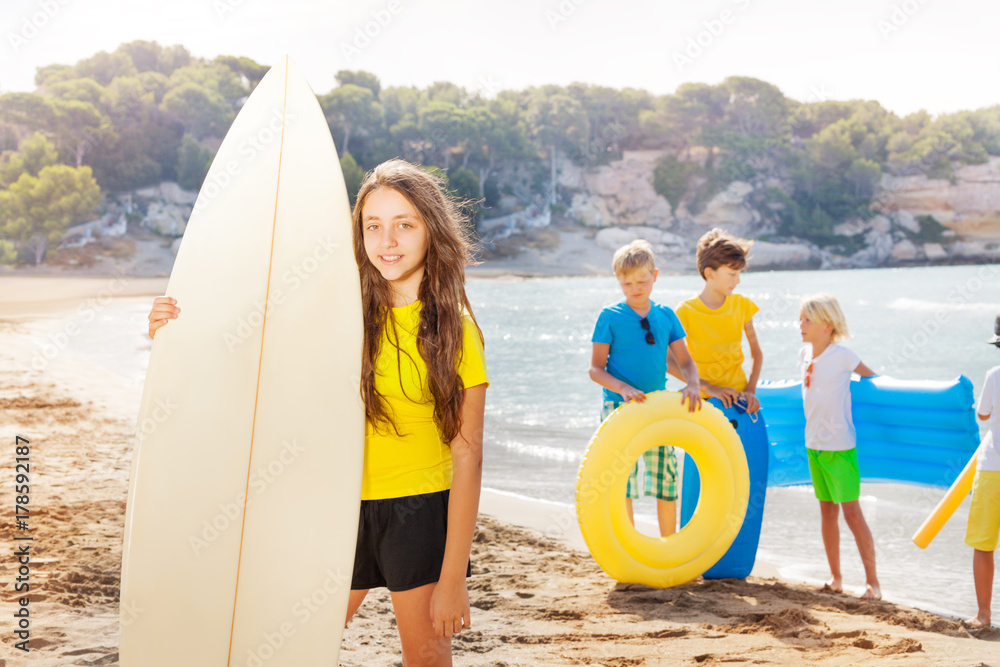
401	542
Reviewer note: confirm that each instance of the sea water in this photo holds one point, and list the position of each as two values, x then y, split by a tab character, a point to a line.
914	323
542	407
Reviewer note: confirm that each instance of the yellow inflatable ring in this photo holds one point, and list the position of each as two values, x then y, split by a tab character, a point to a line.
623	552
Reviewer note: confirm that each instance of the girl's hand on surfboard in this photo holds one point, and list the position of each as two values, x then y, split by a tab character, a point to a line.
164	310
450	608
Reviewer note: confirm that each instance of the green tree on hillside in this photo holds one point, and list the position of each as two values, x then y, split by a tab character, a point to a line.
985	125
35	153
672	178
806	120
247	68
696	116
51	74
445	127
819	174
557	121
399	102
202	111
863	175
464	186
193	162
350	109
359	78
74	124
613	117
755	108
27	111
37	207
753	131
141	146
151	57
104	67
353	176
80	90
939	145
215	77
445	91
79	126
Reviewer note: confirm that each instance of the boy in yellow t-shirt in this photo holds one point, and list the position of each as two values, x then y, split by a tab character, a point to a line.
716	322
717	319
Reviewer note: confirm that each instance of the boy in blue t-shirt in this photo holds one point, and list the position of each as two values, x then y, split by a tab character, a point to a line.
629	359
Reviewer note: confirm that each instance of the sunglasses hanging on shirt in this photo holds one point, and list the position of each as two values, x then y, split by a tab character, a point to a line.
644	323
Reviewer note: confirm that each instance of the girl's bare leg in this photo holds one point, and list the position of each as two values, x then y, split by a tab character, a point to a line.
353	602
421	647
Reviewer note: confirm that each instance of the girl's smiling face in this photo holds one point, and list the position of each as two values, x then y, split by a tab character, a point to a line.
396	241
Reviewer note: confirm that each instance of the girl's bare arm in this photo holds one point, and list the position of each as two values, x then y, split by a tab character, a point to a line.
450	600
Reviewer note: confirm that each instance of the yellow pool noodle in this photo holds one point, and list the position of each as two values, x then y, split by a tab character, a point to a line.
956	494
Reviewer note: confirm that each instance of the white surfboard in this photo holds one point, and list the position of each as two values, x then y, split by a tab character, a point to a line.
246	475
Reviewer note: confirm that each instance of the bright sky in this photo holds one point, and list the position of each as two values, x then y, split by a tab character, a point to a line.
938	55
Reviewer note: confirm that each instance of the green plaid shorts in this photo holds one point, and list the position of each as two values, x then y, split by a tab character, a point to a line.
660	463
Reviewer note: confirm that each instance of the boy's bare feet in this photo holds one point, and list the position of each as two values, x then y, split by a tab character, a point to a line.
871	593
979	621
833	586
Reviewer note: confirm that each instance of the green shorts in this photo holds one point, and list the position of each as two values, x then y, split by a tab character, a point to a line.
835	475
660	463
983	530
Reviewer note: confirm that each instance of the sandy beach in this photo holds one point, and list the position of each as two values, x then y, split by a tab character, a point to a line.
538	597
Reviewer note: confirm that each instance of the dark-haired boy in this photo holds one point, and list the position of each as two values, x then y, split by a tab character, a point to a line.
716	322
717	319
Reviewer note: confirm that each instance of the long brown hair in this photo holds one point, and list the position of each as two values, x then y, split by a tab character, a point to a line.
442	294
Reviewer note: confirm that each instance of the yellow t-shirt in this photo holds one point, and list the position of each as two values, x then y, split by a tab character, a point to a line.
715	337
415	461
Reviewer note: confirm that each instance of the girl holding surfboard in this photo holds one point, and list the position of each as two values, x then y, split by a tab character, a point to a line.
424	386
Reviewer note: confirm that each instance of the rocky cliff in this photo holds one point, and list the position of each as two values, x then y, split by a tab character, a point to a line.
167	208
970	206
619	198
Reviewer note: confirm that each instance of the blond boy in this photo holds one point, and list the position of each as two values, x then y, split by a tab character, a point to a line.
830	437
629	359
